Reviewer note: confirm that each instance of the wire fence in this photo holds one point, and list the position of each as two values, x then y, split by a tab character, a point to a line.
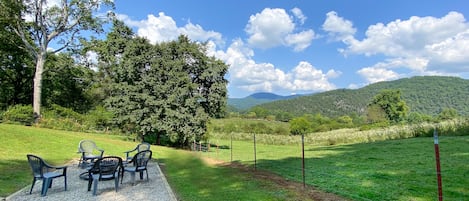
388	170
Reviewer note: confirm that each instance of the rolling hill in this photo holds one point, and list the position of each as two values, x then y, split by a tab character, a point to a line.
256	99
423	94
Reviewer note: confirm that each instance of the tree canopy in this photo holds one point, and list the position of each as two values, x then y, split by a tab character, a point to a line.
391	104
38	23
169	89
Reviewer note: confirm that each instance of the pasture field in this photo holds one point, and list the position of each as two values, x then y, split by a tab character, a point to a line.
188	175
402	169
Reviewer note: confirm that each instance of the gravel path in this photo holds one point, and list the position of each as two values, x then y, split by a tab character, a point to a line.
156	188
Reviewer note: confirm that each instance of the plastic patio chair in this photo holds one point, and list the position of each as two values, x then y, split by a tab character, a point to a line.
140	147
45	172
89	152
138	164
105	168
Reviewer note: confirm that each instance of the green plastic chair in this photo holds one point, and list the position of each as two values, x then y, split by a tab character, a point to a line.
45	172
105	168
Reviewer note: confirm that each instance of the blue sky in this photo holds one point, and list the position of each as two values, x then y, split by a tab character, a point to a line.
299	46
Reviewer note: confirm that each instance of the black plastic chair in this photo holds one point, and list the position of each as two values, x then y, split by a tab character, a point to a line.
45	172
138	164
140	147
105	168
89	152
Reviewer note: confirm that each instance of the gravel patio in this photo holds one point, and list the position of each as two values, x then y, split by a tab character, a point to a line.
156	188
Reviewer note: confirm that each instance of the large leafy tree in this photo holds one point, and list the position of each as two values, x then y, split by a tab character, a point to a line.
15	64
390	102
45	23
168	89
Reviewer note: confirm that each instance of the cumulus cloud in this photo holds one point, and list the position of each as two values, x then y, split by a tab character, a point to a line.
274	27
299	15
163	28
338	28
248	75
415	46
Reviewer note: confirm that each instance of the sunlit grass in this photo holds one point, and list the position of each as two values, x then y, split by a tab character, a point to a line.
401	169
189	177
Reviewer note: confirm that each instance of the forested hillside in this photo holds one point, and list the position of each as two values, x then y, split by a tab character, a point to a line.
255	99
423	94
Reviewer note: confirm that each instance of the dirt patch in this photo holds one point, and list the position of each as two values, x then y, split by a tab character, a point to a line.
305	193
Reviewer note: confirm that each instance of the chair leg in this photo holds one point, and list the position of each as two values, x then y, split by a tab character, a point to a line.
95	186
147	173
90	181
116	182
46	183
32	185
65	180
132	177
141	175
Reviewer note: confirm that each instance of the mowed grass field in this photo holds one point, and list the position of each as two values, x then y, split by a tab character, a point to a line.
402	169
188	175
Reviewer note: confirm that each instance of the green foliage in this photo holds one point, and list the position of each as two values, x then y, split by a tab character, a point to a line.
300	126
365	134
426	95
448	113
376	114
66	83
61	23
61	118
415	117
99	118
16	71
168	89
391	104
239	125
22	114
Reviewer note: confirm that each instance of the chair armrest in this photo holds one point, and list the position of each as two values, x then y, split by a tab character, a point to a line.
131	150
101	150
53	167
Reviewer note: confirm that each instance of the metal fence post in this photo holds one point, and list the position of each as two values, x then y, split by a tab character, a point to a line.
303	158
438	169
255	157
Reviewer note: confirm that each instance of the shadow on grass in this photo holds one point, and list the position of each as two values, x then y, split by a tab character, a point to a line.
192	179
13	177
390	170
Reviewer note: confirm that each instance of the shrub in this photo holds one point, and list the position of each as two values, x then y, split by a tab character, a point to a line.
22	114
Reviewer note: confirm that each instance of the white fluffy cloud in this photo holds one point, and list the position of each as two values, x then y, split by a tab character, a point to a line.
416	46
338	27
274	27
299	15
248	75
163	28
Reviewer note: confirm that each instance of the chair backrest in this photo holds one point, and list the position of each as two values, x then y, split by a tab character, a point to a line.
143	146
87	146
37	165
141	158
106	167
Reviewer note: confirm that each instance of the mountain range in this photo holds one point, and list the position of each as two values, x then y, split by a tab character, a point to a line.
423	94
245	103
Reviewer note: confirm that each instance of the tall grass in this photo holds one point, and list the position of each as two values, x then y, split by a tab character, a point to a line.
354	135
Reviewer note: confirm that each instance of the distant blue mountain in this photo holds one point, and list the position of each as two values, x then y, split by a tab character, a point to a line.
256	99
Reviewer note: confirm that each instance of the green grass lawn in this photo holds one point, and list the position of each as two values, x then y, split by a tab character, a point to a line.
189	177
388	170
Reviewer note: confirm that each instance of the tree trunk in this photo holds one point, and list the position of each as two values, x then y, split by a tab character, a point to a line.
41	59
